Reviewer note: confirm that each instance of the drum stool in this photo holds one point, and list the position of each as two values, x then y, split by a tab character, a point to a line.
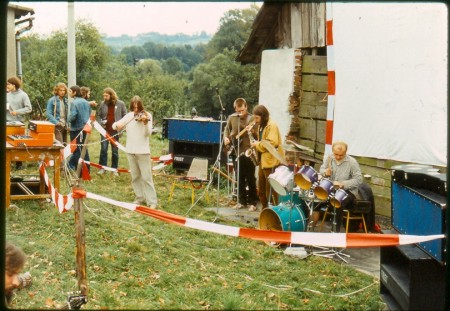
360	210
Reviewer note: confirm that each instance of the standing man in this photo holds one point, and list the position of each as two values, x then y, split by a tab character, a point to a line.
267	130
138	124
80	112
57	111
345	173
236	123
17	104
110	110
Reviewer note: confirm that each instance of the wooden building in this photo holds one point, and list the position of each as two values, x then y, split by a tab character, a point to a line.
302	26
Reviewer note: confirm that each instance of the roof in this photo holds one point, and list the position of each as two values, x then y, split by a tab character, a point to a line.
20	10
263	32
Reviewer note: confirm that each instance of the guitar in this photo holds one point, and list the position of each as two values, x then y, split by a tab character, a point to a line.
232	146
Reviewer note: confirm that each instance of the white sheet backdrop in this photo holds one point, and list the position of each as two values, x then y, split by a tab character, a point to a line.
276	84
391	80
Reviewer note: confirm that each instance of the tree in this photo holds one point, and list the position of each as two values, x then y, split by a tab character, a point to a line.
229	77
45	60
235	27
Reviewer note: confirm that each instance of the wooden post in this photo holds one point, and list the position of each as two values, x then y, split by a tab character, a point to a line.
80	230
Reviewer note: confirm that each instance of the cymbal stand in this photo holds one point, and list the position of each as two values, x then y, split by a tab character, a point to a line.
331	252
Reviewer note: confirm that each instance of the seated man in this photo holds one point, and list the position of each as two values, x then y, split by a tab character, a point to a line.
343	170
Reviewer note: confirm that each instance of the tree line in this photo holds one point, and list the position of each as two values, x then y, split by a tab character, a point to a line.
170	79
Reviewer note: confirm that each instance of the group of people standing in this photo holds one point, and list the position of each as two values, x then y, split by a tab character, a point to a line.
111	113
341	169
258	126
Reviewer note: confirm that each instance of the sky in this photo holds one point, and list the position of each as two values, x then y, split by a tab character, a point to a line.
132	18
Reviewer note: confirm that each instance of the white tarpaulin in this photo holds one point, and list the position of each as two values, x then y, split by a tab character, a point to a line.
276	84
391	80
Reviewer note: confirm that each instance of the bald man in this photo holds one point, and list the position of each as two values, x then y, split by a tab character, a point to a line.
343	170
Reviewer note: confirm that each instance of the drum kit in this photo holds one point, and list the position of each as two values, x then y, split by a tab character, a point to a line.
299	193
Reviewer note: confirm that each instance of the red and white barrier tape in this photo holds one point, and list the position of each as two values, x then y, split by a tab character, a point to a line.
62	202
102	131
341	240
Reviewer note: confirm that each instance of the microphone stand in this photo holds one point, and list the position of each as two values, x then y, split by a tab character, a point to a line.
221	117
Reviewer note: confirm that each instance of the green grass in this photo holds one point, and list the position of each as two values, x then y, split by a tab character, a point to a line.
137	262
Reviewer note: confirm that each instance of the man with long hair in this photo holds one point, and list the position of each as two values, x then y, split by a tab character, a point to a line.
111	110
266	129
138	124
14	263
57	111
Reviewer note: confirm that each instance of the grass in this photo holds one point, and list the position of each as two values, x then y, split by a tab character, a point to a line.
137	262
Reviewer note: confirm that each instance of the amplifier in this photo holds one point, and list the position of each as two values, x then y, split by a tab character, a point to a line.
15	128
32	140
418	211
192	130
184	152
41	126
420	176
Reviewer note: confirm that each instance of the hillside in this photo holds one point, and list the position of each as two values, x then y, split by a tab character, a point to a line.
118	43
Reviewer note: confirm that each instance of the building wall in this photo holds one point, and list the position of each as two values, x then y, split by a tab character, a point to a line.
11	62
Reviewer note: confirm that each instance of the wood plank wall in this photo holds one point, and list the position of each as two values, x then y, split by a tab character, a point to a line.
308	107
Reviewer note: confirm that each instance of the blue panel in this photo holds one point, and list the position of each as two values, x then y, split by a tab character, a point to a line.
194	131
414	213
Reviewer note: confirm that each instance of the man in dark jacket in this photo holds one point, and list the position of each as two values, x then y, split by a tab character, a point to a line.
110	110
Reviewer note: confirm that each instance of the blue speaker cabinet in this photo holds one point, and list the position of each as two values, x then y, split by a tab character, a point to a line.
418	208
191	138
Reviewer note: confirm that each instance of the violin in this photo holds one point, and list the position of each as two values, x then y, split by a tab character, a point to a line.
143	117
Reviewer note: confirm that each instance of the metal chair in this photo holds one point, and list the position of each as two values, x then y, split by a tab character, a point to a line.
196	178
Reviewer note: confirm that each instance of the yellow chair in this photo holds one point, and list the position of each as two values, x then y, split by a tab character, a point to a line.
196	179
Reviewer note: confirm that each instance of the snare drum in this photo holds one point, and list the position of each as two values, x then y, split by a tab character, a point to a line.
281	180
305	177
323	189
338	197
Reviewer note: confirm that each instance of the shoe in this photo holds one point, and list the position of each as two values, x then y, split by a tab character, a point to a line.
115	173
101	172
25	280
238	206
153	206
252	208
138	202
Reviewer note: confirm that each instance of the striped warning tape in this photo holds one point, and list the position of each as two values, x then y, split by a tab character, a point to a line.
341	240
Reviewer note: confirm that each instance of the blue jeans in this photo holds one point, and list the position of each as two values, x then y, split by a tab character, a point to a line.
73	162
104	152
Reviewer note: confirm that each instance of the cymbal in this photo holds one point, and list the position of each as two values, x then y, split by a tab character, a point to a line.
289	148
273	151
304	148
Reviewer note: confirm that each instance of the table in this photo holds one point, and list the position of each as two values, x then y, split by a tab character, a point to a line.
32	154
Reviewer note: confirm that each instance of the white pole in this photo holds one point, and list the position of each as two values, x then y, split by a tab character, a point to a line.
71	57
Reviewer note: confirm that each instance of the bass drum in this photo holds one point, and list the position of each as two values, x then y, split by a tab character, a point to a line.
282	218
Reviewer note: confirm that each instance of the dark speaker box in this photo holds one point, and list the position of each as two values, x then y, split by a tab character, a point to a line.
410	279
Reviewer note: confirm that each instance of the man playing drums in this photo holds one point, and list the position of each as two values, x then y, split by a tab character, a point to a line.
345	173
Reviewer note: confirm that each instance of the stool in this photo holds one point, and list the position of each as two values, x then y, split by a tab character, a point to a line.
354	216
